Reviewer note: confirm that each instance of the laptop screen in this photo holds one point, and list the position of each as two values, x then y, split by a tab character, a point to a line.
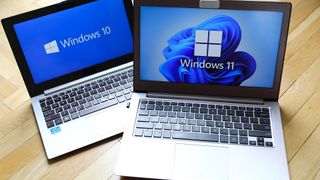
209	46
70	40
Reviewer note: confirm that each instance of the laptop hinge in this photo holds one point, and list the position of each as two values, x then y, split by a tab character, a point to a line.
209	4
207	98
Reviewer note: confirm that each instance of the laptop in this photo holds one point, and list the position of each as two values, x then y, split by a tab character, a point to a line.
76	61
207	77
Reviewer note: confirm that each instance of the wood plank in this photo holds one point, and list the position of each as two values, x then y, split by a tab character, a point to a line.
306	162
17	98
300	61
301	11
4	110
78	161
15	118
17	137
301	35
302	125
6	88
300	92
97	170
20	157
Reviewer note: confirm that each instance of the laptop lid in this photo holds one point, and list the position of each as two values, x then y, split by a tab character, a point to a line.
67	41
226	48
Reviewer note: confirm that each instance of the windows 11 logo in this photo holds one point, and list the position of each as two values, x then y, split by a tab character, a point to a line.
208	43
51	47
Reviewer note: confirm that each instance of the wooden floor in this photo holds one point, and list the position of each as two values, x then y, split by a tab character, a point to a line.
22	155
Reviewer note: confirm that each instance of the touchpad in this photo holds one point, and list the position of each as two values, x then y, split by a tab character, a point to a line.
201	162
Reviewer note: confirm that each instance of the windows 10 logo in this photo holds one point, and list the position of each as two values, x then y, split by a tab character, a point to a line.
51	47
208	43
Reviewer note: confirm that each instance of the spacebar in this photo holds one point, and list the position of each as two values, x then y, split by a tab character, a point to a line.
195	136
98	107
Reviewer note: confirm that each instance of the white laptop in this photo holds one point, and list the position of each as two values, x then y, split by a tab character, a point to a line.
207	77
76	61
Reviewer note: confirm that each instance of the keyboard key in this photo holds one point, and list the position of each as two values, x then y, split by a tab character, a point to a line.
48	113
166	134
243	140
253	143
235	119
261	114
212	111
163	120
177	127
205	129
210	123
224	139
226	118
74	115
158	126
50	124
195	129
143	119
157	134
265	134
244	119
98	107
254	120
264	121
247	126
186	128
233	132
214	130
172	120
66	118
192	122
53	117
228	125
144	125
269	144
143	113
167	126
237	125
243	132
234	139
163	114
219	124
58	121
207	117
200	122
261	127
195	136
224	131
147	132
182	121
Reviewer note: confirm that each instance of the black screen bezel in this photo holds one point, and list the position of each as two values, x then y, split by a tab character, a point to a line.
213	90
37	89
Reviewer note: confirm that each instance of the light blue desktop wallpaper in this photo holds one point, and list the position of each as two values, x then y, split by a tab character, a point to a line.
250	43
80	37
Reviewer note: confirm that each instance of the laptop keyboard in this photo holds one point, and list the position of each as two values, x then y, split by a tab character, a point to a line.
87	98
204	122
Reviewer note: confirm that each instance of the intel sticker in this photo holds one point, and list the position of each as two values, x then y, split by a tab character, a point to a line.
55	130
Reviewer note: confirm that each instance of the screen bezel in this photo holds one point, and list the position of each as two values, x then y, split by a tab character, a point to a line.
37	89
213	90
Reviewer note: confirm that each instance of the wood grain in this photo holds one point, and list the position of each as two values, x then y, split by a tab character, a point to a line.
21	151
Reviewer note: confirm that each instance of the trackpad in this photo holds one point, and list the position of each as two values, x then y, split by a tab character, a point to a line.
201	162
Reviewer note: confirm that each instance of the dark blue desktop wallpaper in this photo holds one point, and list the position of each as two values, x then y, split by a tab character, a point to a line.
250	41
85	35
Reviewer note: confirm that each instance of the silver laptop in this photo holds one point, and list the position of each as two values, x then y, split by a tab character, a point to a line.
207	77
76	61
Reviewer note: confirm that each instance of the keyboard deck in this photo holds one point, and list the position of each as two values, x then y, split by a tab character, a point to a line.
230	124
87	98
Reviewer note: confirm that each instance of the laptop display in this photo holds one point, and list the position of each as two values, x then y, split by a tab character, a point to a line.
70	40
209	46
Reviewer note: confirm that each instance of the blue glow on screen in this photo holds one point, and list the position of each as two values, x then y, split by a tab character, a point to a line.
70	40
249	42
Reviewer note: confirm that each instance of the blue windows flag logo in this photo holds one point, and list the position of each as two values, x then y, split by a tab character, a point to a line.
208	43
51	47
192	53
